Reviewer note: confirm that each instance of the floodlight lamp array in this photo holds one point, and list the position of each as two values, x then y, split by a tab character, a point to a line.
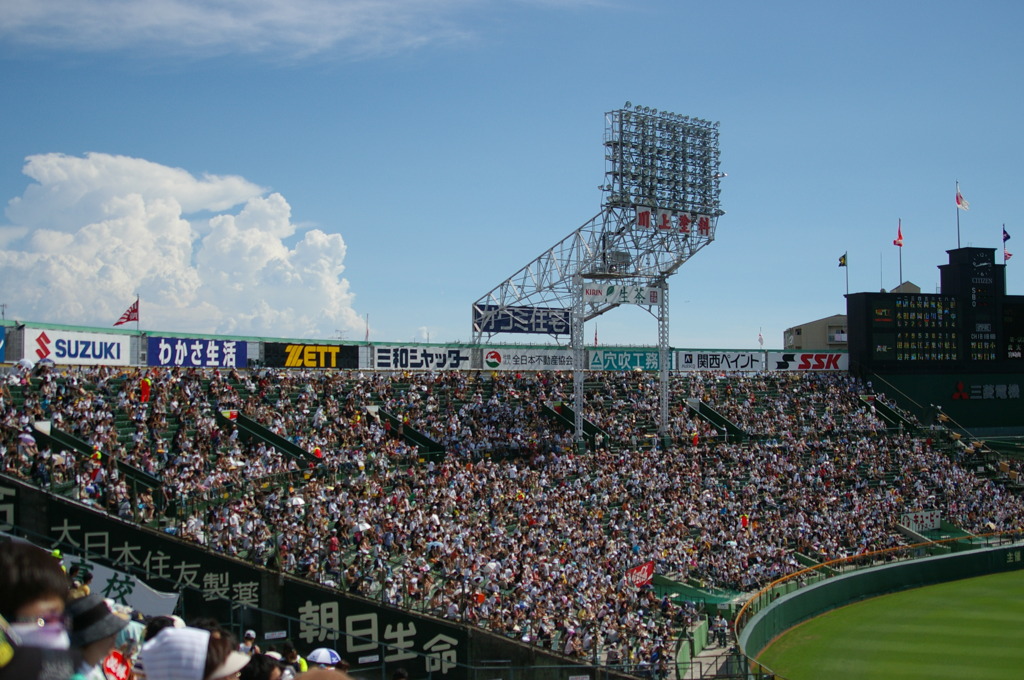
661	160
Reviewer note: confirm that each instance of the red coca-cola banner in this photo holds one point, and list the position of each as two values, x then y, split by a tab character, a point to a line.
641	575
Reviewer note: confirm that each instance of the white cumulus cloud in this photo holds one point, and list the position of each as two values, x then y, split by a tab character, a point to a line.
207	254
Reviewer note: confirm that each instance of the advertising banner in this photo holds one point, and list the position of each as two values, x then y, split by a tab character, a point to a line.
670	220
67	347
513	359
623	359
206	584
641	575
366	635
694	360
196	352
808	361
550	321
124	588
621	295
922	520
415	358
295	355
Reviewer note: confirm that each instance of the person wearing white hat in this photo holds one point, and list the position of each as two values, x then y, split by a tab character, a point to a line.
191	654
248	644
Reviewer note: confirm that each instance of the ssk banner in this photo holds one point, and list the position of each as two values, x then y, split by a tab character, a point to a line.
808	361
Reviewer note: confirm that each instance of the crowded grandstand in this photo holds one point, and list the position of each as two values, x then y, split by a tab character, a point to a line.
463	494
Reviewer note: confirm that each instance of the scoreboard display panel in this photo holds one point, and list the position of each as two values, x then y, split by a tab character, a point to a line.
914	328
971	324
1013	329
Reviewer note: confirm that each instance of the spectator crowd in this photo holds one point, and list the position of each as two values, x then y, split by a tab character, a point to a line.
515	529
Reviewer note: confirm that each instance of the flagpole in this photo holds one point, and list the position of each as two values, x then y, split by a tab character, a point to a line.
901	250
956	206
847	274
137	313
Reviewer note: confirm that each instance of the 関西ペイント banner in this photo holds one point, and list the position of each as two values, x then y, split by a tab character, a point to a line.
694	360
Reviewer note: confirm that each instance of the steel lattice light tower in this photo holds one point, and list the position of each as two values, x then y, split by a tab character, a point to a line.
660	207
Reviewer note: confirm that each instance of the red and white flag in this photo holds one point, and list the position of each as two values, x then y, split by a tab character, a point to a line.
899	235
1006	255
961	202
131	314
641	575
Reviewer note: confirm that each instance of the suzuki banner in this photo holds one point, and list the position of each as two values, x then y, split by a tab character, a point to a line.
65	347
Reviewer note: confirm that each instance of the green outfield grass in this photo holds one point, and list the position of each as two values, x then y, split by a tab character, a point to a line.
962	629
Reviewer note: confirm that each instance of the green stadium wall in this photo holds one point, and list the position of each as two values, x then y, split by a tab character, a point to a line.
806	603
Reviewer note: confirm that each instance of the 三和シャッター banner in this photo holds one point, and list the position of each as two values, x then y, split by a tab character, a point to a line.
417	358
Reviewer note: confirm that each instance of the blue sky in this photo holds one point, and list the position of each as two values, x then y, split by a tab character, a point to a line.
290	168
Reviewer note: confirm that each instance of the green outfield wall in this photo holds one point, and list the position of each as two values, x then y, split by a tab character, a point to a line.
805	603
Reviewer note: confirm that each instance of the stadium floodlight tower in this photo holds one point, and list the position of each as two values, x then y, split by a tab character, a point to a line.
660	207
